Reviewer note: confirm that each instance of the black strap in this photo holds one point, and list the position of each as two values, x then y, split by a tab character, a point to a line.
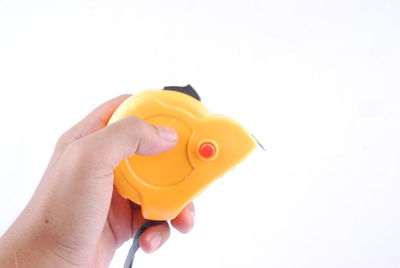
136	245
188	90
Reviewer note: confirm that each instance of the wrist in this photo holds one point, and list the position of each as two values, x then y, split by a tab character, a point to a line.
6	257
22	248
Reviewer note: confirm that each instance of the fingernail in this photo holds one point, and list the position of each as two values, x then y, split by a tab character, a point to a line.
168	133
155	241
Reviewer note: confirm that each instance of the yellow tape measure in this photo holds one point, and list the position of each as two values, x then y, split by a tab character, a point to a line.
207	147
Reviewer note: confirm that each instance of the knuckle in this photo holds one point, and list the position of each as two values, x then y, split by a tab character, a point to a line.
78	153
82	159
67	138
62	140
137	124
135	121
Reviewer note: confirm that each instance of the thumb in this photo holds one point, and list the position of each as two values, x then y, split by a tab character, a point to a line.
110	145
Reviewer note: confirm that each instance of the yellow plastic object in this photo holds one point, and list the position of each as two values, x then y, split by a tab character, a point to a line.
207	147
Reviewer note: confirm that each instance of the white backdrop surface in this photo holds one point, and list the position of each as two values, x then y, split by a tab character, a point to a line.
317	82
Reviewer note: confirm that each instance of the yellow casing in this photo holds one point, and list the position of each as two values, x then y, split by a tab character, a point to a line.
164	184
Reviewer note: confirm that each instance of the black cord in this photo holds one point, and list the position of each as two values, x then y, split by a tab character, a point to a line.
136	245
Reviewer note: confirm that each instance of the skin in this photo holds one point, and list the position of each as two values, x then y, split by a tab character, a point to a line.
76	218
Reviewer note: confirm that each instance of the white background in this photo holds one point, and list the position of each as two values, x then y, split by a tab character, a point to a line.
316	81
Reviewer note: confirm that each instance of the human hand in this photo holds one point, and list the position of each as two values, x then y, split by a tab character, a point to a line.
76	218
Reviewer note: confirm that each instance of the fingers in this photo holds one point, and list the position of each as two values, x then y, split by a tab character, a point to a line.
104	149
120	218
185	220
137	219
94	121
154	237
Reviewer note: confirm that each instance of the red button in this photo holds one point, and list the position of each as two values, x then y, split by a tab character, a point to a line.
207	150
